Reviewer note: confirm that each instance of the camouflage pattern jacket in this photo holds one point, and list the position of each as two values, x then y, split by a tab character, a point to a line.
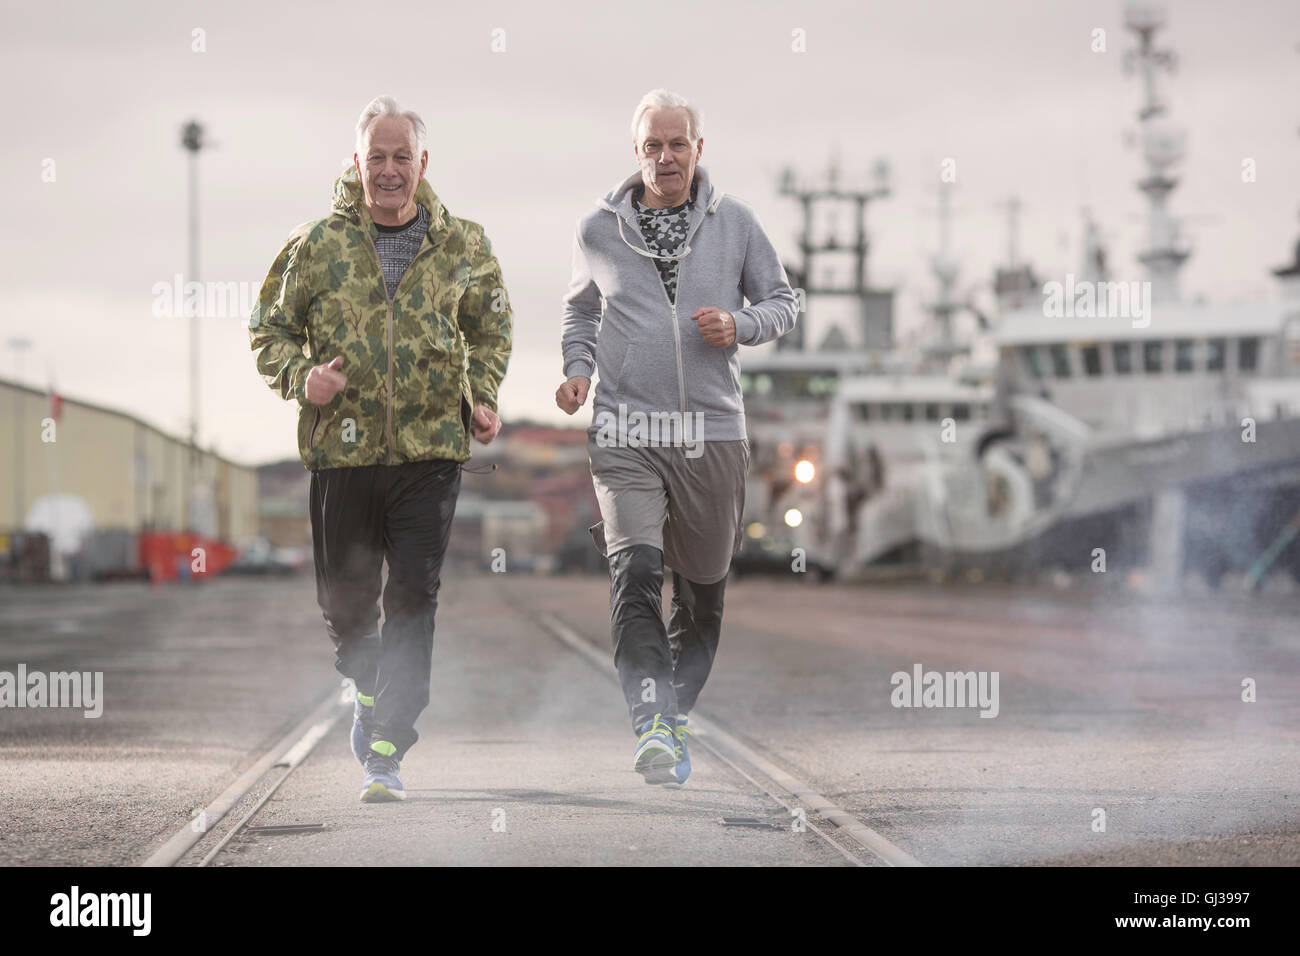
415	365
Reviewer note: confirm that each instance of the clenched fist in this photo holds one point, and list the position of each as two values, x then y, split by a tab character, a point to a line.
484	424
572	395
325	381
718	326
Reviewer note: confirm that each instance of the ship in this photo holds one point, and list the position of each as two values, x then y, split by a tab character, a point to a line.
1116	428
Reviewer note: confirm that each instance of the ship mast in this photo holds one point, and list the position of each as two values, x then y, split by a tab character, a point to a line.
945	269
1094	251
1163	145
1014	285
876	305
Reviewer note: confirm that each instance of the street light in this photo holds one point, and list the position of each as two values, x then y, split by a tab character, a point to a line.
192	141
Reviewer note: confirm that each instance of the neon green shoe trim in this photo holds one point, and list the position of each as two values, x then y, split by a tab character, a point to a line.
658	726
680	732
366	701
383	747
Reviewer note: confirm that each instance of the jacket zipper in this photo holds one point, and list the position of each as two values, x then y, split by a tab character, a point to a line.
672	305
388	408
677	340
681	374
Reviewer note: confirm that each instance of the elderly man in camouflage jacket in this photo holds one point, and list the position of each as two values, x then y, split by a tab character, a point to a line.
388	322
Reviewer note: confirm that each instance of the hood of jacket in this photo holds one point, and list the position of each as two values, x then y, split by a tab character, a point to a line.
350	201
619	199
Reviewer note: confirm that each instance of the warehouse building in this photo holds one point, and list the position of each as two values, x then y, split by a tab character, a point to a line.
85	474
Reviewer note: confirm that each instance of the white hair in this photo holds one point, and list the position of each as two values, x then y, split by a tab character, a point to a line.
387	106
663	99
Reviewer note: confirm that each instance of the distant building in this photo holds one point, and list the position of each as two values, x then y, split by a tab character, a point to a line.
113	470
528	494
284	489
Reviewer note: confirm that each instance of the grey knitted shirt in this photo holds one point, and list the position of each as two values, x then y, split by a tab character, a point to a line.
398	245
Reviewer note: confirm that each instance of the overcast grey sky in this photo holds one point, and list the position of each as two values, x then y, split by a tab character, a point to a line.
525	140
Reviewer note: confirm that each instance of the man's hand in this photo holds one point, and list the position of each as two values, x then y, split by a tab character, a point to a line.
325	381
716	325
572	395
484	424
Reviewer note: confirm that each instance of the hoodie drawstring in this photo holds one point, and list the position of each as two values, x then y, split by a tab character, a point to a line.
676	257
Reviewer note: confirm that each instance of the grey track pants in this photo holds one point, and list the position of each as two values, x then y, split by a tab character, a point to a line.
662	671
659	506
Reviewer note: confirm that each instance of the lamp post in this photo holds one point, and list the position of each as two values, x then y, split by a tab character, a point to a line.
192	140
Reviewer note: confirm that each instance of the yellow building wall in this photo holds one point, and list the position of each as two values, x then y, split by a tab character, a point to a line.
129	474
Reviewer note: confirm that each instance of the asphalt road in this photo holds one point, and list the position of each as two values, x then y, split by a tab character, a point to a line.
1109	707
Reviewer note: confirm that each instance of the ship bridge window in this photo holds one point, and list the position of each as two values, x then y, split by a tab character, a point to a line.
1153	357
1122	353
961	412
1060	360
1030	355
1215	350
907	411
886	412
1184	355
1092	360
781	385
1248	354
814	385
862	411
931	412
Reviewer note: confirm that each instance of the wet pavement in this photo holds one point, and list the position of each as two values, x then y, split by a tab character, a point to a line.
1120	736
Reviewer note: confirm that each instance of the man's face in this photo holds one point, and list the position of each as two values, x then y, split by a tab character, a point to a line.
389	169
666	156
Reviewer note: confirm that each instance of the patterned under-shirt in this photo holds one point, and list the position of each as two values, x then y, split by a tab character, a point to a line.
665	231
397	246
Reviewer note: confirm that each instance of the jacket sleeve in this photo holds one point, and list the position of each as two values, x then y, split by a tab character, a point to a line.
487	323
582	312
277	326
771	311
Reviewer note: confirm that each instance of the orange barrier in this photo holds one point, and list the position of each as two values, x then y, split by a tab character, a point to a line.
173	555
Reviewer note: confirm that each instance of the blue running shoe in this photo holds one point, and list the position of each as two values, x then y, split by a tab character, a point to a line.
381	783
682	769
360	734
656	751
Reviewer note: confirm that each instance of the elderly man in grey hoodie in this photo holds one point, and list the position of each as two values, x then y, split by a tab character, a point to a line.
661	269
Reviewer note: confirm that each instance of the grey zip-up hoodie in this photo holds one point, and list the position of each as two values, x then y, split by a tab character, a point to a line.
651	356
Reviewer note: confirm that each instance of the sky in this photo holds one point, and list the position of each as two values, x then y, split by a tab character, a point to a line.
524	140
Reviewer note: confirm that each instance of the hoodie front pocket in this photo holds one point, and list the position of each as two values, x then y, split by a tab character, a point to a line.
647	380
712	385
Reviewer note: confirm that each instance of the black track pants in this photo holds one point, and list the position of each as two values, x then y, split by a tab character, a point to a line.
360	517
